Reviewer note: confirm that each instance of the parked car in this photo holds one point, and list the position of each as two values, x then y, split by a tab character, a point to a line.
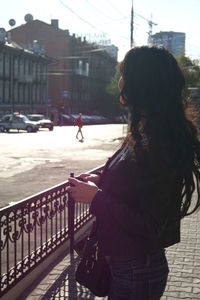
42	120
19	122
69	119
66	119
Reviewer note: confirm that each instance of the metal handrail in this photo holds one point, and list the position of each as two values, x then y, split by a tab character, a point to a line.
34	228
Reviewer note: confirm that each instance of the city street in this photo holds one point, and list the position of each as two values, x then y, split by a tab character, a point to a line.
32	162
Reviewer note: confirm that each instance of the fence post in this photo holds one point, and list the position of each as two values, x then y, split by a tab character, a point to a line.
71	208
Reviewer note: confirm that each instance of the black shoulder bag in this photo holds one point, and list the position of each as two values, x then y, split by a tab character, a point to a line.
93	271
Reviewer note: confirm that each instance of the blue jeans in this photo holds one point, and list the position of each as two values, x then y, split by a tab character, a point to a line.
138	278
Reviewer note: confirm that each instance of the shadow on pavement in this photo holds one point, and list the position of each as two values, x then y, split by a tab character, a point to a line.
65	287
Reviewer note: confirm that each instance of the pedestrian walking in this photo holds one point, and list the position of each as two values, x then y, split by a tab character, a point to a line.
148	185
79	122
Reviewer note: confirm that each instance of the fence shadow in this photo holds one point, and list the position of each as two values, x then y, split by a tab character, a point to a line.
66	287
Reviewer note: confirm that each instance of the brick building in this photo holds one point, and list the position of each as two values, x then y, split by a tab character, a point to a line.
79	71
23	78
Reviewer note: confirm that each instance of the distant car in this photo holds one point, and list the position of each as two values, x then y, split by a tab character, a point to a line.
19	122
42	120
69	119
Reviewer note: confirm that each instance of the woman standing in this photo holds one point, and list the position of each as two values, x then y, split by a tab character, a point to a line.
148	184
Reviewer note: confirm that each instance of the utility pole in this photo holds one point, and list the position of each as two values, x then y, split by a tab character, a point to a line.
132	26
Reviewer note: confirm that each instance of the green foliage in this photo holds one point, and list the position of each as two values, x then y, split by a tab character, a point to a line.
113	95
191	69
112	88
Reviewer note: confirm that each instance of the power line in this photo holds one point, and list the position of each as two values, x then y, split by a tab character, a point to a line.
88	23
74	13
118	20
113	7
98	10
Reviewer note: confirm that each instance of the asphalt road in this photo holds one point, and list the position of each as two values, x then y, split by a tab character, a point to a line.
33	162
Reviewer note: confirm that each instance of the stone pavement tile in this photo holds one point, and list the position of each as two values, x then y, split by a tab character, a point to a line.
184	263
60	283
196	290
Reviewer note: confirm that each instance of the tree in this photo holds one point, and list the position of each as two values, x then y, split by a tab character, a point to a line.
113	93
112	88
191	69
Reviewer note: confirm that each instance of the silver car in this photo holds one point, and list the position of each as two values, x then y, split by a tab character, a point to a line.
19	122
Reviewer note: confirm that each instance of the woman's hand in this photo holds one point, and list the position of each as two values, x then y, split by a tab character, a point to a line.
82	192
90	177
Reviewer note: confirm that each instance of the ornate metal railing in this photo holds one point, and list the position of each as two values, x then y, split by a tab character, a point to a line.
34	228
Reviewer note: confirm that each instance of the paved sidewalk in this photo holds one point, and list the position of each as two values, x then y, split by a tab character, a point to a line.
183	281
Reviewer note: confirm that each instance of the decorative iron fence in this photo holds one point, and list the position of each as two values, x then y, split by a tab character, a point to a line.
34	228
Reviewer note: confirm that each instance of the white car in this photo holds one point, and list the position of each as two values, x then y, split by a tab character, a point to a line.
42	120
18	122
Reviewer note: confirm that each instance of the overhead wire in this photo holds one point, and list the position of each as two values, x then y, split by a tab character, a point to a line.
102	13
98	10
77	15
88	23
113	7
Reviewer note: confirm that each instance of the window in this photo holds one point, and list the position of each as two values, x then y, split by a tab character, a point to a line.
26	67
44	72
38	71
1	63
1	91
6	95
21	67
34	93
1	88
38	93
21	93
26	92
17	119
15	92
7	65
34	70
16	67
87	69
6	118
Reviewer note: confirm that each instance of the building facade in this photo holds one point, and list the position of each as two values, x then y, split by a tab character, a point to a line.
23	79
79	71
174	42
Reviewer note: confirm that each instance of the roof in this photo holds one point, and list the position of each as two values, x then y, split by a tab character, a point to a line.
13	45
40	23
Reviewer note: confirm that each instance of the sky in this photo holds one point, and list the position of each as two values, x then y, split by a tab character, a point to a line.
109	20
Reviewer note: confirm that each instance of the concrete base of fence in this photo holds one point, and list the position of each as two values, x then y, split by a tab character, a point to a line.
23	288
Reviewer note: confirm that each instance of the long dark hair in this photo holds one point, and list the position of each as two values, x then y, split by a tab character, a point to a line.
160	126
